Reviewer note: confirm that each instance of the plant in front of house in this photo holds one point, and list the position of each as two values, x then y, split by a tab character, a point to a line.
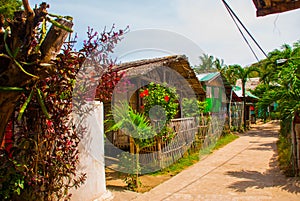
138	127
160	105
193	107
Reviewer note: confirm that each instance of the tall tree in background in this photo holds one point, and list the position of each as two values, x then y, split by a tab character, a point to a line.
281	85
209	64
206	65
242	73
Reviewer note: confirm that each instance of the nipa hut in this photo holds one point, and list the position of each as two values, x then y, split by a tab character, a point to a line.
173	70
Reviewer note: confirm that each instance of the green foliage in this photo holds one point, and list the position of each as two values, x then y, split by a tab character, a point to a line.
209	64
142	133
160	104
12	177
133	123
8	7
126	162
282	84
193	157
280	76
284	147
192	107
163	96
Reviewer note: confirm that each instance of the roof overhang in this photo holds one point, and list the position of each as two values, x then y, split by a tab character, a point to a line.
178	63
267	7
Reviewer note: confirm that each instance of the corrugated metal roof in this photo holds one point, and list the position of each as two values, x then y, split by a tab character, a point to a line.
239	93
204	77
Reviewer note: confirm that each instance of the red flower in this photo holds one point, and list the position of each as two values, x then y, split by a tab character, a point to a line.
69	143
49	123
167	98
144	93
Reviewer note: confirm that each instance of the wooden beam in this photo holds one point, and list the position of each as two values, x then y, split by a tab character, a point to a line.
278	8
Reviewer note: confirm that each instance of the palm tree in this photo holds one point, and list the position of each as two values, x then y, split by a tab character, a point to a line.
207	64
242	73
219	64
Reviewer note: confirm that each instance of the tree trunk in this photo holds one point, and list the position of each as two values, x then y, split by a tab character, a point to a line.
137	166
12	76
244	103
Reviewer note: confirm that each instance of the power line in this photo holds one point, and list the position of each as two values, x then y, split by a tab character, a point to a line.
242	34
234	16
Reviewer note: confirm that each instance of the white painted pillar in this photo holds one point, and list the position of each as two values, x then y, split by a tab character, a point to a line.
91	155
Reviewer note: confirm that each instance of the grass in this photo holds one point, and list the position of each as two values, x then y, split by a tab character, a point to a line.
192	158
285	156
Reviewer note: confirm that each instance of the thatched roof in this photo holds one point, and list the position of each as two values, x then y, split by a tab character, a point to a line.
176	63
267	7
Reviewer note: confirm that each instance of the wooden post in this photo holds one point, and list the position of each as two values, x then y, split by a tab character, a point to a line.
131	145
159	152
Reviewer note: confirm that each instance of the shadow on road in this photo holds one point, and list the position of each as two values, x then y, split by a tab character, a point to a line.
271	178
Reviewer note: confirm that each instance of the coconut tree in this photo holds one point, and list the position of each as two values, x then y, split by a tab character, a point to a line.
206	65
242	73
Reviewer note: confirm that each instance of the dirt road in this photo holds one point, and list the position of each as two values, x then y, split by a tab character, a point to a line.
244	170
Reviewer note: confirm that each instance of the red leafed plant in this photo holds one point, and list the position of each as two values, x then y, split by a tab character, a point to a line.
44	157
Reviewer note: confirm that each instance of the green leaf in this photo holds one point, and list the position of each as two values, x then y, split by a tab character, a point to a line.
16	52
5	55
27	64
41	102
57	24
24	106
43	34
6	45
24	71
11	88
61	17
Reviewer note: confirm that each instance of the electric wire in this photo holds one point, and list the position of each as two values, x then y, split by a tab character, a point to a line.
242	34
241	23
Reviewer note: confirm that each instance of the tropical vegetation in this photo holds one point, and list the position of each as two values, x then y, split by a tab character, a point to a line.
39	141
280	85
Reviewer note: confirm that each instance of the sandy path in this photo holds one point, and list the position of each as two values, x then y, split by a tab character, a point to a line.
245	169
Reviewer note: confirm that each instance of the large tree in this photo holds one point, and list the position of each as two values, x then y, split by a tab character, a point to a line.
281	84
26	53
206	65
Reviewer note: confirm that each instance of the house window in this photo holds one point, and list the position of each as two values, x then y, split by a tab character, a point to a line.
208	92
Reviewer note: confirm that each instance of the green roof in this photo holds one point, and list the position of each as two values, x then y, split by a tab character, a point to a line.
207	77
238	91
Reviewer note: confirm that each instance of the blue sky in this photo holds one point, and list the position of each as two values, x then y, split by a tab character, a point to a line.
205	22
